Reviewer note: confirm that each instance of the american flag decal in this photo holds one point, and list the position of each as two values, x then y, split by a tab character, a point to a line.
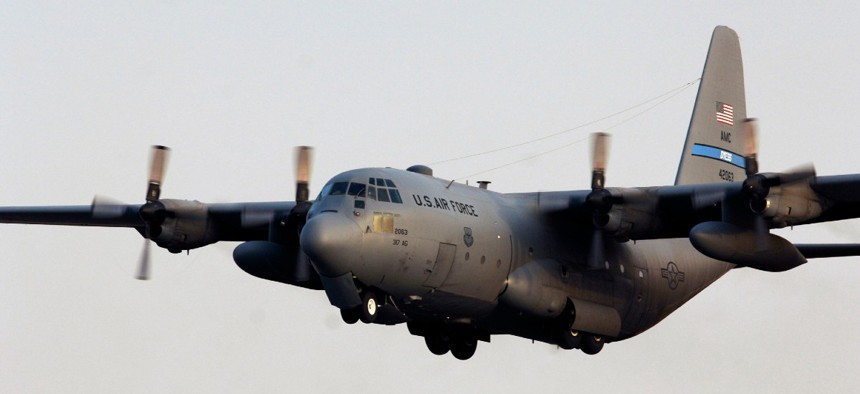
725	113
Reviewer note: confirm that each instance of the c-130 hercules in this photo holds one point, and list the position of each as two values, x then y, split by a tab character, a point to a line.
458	264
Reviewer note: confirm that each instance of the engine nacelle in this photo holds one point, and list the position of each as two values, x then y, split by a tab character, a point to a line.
276	262
632	217
786	206
186	226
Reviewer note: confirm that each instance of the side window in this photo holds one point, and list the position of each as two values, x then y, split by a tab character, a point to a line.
371	192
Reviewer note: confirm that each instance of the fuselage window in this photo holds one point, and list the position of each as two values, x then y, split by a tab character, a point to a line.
357	189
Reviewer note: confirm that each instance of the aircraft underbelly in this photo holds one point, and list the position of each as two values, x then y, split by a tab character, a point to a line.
665	274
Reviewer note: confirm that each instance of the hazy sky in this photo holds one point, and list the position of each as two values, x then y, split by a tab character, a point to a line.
85	88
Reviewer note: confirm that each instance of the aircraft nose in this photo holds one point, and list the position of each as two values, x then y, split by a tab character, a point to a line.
333	242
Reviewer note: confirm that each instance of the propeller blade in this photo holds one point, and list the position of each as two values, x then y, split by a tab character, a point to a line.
599	158
599	200
761	233
797	174
595	252
303	172
250	219
143	266
157	167
153	212
106	208
751	146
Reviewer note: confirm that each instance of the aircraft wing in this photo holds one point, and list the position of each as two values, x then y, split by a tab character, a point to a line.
78	215
725	221
842	194
214	222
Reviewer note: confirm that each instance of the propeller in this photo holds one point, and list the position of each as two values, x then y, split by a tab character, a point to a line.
285	227
153	211
756	187
599	200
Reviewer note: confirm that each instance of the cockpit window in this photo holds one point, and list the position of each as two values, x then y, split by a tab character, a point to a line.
357	189
333	189
339	188
325	191
382	194
383	190
395	196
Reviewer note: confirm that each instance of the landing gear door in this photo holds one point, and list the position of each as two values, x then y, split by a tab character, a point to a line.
444	261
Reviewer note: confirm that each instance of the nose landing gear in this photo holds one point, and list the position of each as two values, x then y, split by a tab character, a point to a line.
369	308
367	311
376	307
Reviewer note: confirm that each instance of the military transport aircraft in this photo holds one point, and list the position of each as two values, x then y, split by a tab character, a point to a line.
458	264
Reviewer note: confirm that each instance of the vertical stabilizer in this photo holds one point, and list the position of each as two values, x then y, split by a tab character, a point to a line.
714	148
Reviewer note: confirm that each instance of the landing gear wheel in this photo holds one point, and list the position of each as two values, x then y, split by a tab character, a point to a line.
350	316
591	344
568	337
369	307
438	344
463	347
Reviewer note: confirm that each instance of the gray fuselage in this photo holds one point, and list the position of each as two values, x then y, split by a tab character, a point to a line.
448	251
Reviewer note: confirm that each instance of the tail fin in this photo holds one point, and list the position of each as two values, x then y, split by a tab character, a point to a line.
714	148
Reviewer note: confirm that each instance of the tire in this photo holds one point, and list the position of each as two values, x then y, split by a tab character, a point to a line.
568	338
369	309
438	344
463	347
350	316
592	344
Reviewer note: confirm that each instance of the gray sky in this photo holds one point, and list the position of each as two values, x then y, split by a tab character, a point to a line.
85	88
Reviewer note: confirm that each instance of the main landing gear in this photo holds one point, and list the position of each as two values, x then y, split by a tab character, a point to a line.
460	340
571	338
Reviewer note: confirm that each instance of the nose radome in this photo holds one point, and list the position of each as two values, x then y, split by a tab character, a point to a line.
332	242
